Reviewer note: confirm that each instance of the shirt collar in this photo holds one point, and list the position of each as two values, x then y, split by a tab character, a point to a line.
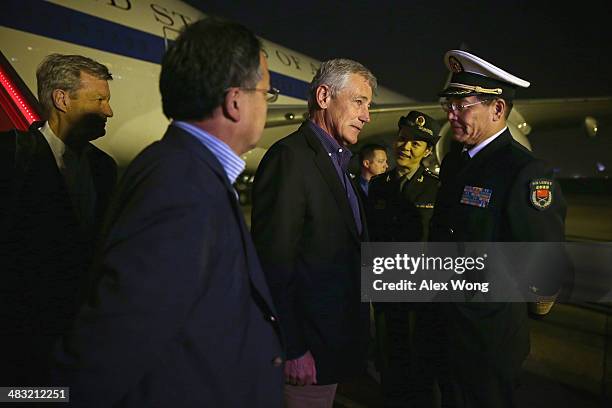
58	147
232	164
341	154
364	184
474	150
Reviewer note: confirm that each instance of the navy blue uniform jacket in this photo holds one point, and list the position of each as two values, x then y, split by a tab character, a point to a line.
493	336
399	210
180	315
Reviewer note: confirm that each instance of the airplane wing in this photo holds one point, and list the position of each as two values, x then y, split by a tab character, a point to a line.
539	114
551	114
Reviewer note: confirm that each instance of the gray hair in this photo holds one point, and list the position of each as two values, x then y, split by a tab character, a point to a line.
59	71
334	74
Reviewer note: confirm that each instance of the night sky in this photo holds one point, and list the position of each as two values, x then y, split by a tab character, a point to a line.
563	50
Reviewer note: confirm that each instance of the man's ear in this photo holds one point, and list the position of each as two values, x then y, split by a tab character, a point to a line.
231	104
499	108
365	163
61	100
428	151
323	95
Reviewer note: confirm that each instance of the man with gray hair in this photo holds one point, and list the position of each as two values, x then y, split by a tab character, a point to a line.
308	224
58	185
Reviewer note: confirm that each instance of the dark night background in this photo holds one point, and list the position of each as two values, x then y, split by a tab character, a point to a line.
563	50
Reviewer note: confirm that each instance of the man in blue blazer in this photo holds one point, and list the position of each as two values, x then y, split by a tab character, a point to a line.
180	314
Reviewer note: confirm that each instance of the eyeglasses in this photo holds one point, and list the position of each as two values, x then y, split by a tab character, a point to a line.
453	107
271	94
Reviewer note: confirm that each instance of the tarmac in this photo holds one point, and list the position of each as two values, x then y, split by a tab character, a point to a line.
570	364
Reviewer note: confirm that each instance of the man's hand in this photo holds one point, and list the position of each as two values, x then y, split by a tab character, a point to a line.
301	371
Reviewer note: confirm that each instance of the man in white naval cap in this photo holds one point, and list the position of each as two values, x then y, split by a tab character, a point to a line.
492	190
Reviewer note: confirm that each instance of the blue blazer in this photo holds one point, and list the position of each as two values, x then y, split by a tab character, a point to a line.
180	314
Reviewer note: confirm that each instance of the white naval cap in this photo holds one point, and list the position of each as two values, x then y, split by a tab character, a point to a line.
471	75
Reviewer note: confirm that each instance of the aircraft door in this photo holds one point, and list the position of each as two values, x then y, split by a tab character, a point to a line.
18	107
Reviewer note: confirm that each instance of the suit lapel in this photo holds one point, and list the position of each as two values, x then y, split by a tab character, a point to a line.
254	269
456	169
33	150
362	211
103	178
328	171
409	189
458	174
501	140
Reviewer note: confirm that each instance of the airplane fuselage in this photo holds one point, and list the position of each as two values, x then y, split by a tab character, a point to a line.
130	37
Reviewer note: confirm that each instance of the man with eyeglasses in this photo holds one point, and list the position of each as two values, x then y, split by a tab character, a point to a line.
308	225
492	190
270	94
181	314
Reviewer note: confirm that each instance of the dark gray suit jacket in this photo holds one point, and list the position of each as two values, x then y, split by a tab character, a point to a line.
44	251
307	240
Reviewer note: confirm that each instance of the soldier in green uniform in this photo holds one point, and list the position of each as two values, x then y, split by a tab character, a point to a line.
402	199
400	205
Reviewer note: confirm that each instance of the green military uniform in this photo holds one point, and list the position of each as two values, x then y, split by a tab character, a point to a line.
399	211
408	335
400	208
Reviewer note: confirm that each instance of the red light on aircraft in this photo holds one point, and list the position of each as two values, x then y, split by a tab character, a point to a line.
20	113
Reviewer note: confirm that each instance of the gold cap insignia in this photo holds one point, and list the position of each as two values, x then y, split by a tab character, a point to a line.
454	64
420	121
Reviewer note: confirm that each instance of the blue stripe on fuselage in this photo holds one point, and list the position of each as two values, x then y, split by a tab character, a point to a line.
289	86
65	24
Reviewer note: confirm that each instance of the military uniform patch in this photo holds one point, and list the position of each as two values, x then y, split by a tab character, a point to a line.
431	173
540	193
476	196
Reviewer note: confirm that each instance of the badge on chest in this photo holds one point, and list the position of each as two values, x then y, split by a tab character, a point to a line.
476	196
